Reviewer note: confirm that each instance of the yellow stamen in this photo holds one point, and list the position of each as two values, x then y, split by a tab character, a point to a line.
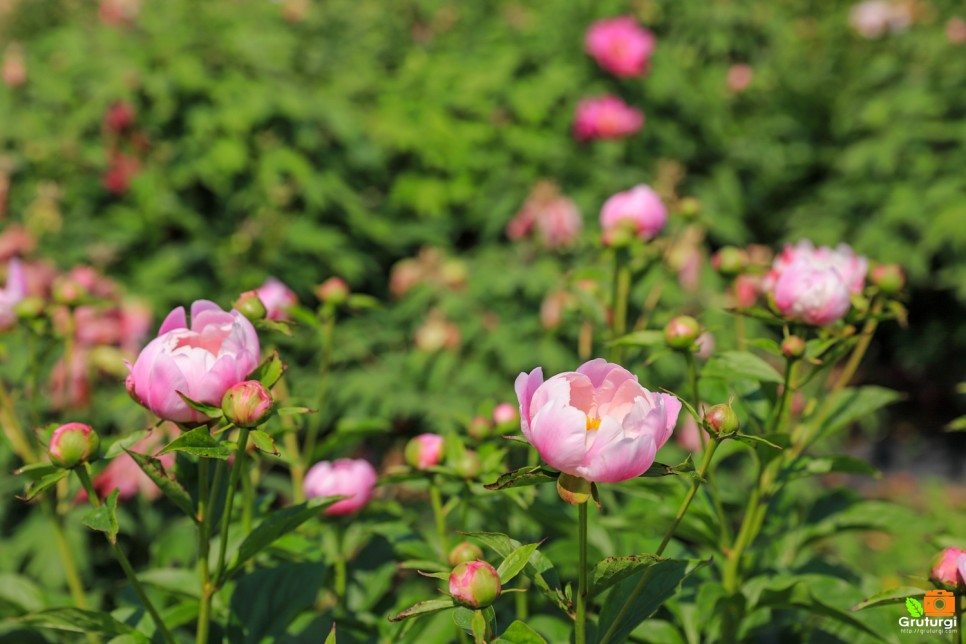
593	423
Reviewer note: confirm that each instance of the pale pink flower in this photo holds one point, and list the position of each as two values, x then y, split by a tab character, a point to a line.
606	117
505	413
424	451
596	423
354	478
123	474
812	295
277	299
850	267
747	288
620	45
553	216
949	568
640	206
739	77
14	291
219	350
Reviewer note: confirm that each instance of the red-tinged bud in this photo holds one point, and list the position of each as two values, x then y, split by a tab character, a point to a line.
730	261
889	278
251	306
247	404
723	419
73	444
793	347
424	451
573	489
681	333
474	584
479	428
68	291
333	291
506	414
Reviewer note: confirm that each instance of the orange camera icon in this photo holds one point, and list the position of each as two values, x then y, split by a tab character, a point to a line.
939	603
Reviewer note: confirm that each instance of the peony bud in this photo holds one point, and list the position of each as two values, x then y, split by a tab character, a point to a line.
730	261
889	278
681	332
573	489
333	291
247	404
479	428
474	584
689	207
793	347
505	414
947	571
464	552
68	291
468	466
251	306
73	444
722	419
424	451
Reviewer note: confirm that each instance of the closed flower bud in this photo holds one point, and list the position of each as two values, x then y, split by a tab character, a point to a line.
479	428
730	261
506	414
573	489
793	347
681	332
468	465
689	207
251	306
949	569
424	451
68	291
464	552
247	404
333	291
474	584
889	278
73	444
723	419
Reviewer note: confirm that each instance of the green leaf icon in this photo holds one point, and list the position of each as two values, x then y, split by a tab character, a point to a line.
914	607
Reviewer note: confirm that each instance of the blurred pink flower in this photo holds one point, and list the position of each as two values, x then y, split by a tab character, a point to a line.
641	206
620	45
437	333
424	451
812	295
739	77
14	69
747	287
122	168
873	18
505	413
956	30
606	117
688	435
14	291
948	568
219	350
850	268
596	423
354	478
123	474
552	215
70	384
119	117
277	298
15	240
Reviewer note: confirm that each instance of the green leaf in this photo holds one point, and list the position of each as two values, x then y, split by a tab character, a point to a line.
478	626
198	442
104	518
665	580
816	465
799	595
208	410
331	637
892	596
293	411
854	403
515	562
740	364
519	633
754	441
269	372
171	488
285	328
914	607
522	477
611	570
424	608
44	483
122	444
75	620
266	600
276	525
263	442
640	339
956	425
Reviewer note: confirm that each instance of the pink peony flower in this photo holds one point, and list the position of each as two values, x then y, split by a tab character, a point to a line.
596	423
14	291
219	350
850	267
739	77
123	474
949	568
606	117
747	288
554	216
354	478
620	45
424	451
277	298
640	206
815	296
73	444
956	30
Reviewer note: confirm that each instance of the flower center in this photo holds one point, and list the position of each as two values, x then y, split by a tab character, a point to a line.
593	423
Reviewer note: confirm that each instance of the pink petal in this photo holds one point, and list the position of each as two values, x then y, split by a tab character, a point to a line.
201	306
175	320
162	398
672	408
526	384
961	567
559	432
618	458
210	387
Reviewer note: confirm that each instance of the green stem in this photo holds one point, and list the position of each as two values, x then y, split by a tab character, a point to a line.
682	510
204	574
580	634
340	572
436	499
67	558
19	440
328	330
778	413
236	471
622	287
85	478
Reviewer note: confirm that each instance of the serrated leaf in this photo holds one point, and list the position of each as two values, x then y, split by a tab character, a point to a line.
522	477
202	407
515	562
914	607
167	484
104	518
75	620
44	483
740	364
269	371
276	525
198	442
424	608
263	441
